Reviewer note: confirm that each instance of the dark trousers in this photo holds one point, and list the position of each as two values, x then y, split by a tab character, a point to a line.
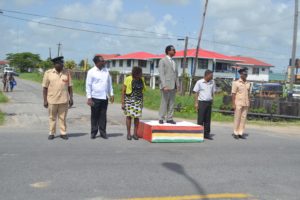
204	115
98	116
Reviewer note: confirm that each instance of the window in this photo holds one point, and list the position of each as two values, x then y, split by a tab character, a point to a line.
157	63
223	67
142	63
113	63
255	70
128	63
202	64
120	63
263	69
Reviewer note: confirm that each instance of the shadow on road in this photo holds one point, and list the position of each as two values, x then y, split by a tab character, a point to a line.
76	134
177	168
115	134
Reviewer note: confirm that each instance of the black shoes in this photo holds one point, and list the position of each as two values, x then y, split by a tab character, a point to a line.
239	137
50	137
208	137
168	121
171	121
129	137
104	136
135	137
64	137
242	137
235	136
93	137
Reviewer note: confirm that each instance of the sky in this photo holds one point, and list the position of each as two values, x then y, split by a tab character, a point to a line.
262	29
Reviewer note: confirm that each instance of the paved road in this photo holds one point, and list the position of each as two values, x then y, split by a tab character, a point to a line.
265	166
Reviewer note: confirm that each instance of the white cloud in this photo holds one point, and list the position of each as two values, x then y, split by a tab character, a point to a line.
100	10
264	25
24	3
170	2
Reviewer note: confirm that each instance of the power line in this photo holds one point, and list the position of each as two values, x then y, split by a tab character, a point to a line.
86	22
83	30
133	36
125	28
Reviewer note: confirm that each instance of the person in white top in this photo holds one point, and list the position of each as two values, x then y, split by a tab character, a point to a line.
98	90
204	93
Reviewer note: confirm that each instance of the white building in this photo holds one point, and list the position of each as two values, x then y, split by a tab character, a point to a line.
223	66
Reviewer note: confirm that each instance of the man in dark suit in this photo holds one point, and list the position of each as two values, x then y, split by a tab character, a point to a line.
168	74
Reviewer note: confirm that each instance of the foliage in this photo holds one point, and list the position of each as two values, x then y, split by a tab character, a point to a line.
23	61
70	64
45	64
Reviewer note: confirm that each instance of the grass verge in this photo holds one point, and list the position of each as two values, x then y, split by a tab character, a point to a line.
3	99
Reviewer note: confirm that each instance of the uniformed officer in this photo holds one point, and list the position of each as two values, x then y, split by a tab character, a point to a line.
58	96
240	103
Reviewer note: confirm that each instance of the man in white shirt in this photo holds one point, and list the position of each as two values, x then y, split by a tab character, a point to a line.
98	90
204	93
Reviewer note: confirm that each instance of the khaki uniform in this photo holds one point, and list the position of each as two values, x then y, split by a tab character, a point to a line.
241	89
57	97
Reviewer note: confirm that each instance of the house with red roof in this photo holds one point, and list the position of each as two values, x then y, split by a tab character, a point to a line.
108	56
222	65
124	63
257	69
3	63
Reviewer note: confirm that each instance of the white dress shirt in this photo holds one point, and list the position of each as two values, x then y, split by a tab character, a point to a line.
173	62
98	83
205	89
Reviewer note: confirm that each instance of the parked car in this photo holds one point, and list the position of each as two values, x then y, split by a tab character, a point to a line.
10	70
269	90
296	91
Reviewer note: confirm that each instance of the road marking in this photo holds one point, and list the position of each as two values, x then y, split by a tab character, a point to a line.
40	185
198	197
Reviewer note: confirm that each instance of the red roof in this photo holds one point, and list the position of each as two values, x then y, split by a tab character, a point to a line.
136	56
206	54
251	61
4	62
108	56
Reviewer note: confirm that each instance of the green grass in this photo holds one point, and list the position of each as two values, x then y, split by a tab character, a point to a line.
32	77
3	99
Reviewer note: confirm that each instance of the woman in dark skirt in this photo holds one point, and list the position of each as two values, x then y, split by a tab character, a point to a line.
132	99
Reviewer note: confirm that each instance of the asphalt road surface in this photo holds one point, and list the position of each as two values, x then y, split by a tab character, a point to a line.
265	166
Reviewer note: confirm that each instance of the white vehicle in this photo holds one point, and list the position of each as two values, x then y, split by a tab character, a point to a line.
8	70
296	91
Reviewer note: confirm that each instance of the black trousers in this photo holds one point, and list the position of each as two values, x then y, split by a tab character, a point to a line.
98	116
204	115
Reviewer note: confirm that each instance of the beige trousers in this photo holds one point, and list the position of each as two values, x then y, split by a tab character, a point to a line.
240	117
58	111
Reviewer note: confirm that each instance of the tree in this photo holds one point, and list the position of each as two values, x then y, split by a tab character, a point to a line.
70	64
45	64
23	61
81	64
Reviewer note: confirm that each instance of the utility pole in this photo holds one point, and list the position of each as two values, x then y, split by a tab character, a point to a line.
198	46
58	50
184	65
294	48
50	53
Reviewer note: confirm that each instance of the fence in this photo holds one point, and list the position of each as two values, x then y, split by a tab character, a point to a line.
279	106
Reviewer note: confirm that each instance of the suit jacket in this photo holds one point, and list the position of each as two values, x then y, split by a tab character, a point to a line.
167	75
